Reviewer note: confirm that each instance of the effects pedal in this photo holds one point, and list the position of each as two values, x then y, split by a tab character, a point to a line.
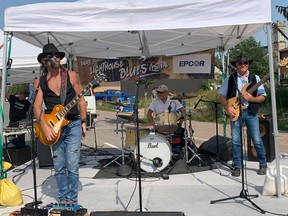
57	206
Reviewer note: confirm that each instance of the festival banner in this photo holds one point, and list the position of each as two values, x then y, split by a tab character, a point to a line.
190	66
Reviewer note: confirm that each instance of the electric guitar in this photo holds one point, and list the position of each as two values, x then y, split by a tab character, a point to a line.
234	102
56	119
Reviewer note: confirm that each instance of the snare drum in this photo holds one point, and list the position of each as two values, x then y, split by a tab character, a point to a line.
155	153
131	135
166	123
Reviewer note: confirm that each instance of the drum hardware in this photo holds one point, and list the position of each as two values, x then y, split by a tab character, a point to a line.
122	154
131	118
186	153
95	149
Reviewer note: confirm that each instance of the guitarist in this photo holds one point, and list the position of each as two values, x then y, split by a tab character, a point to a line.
54	85
230	88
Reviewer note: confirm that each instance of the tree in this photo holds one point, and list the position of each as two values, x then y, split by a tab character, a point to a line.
253	50
283	11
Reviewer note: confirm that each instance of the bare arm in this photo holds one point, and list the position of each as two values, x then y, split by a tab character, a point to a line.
75	81
39	114
150	118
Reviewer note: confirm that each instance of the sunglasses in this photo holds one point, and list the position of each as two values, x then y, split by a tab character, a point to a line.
53	55
243	63
158	92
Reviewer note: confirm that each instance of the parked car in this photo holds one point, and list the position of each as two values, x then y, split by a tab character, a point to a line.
111	95
91	106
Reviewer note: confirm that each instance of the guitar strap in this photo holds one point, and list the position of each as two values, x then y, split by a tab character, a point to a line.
63	92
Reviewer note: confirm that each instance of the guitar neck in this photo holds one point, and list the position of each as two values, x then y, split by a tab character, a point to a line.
263	80
74	101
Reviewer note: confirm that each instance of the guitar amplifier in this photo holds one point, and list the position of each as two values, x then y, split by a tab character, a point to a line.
266	128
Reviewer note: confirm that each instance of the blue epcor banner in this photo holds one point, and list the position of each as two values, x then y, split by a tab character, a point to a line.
190	66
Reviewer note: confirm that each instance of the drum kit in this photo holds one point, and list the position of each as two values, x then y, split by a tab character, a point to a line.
159	145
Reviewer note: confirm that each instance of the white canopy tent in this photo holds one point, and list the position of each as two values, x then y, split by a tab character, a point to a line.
119	28
25	66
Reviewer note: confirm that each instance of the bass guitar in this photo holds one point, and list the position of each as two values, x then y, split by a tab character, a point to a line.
234	102
56	119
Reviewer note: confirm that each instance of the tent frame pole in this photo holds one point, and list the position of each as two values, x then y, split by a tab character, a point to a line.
274	110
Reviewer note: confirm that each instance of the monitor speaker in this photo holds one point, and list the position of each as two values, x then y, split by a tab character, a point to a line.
124	213
223	150
44	154
266	128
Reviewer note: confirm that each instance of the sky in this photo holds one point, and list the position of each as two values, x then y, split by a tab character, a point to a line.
260	36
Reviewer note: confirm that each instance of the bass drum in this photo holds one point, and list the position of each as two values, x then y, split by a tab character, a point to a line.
155	153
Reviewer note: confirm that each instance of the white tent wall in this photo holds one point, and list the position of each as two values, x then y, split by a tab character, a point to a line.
117	28
25	66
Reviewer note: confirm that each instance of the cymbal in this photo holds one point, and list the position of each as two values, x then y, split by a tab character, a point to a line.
131	118
118	104
182	97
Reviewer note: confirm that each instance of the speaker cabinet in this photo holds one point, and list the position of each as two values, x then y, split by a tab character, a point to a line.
17	156
44	154
266	128
223	150
119	213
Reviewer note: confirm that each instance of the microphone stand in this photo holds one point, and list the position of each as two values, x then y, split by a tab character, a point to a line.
30	117
136	119
244	191
217	132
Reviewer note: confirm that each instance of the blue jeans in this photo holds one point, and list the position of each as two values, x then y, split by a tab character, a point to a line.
252	123
66	161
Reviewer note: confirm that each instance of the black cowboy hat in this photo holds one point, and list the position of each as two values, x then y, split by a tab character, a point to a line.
241	58
50	49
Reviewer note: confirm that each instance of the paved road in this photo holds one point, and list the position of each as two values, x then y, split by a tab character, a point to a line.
106	135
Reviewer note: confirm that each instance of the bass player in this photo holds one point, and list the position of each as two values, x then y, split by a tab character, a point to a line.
59	86
229	91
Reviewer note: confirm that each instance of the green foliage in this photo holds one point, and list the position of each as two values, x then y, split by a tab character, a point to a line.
252	49
281	100
16	88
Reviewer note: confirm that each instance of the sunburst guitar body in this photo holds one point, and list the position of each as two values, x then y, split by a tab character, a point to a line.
56	119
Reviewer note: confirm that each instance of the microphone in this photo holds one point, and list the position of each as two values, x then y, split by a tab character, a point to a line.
169	107
44	60
142	58
157	162
198	102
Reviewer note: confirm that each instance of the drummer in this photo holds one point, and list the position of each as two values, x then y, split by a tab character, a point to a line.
162	103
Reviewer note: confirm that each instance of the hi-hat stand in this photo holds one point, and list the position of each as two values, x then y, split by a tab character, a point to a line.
191	132
244	194
194	153
96	151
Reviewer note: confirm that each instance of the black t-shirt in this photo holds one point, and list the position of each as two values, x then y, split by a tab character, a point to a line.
18	108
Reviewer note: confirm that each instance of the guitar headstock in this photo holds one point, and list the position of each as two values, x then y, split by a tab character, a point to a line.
98	79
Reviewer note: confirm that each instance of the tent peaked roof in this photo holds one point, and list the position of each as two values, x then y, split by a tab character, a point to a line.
114	28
